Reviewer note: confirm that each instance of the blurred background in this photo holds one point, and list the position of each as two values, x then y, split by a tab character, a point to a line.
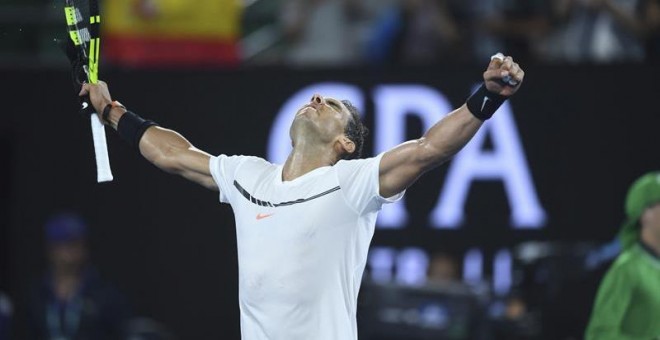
507	241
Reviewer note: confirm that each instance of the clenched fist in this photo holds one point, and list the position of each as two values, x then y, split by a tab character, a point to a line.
503	75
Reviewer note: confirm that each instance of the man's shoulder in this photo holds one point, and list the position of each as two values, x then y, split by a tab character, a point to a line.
356	163
248	160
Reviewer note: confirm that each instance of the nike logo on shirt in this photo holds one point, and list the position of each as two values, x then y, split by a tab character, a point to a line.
262	216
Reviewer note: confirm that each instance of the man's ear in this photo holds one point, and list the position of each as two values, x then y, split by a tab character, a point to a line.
347	144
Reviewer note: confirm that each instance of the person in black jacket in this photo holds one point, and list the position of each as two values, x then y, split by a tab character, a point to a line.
72	302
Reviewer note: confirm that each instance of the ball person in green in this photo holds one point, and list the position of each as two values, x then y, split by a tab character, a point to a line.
628	301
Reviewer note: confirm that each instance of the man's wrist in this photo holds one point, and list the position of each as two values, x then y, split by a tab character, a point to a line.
112	113
483	103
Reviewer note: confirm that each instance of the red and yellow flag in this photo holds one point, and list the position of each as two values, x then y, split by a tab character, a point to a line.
171	32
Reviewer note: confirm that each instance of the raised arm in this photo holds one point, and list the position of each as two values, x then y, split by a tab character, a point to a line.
164	148
401	166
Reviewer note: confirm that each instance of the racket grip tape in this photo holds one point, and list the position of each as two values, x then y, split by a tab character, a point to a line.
103	171
86	108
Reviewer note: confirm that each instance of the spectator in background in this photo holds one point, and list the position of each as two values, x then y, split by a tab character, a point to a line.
597	31
72	302
321	32
172	32
511	319
628	301
652	30
415	32
6	311
442	269
515	25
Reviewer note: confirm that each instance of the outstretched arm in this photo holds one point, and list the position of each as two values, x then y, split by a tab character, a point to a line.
164	148
401	166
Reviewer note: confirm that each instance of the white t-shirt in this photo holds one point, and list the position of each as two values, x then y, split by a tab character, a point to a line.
302	244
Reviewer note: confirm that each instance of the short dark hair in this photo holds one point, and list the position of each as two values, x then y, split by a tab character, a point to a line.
355	131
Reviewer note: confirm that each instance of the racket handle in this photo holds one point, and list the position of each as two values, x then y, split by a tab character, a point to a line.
508	80
86	108
103	171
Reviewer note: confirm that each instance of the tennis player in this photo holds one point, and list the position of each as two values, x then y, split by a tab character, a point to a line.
303	228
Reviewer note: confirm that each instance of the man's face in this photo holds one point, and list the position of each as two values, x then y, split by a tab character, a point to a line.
68	255
322	120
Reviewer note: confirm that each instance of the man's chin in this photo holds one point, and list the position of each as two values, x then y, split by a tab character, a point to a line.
306	111
303	124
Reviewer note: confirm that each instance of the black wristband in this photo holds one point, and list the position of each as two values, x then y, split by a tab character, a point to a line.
131	127
483	103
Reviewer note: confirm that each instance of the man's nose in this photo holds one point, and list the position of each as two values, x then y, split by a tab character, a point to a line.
317	100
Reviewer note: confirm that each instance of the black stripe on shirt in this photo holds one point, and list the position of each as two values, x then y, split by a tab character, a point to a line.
263	203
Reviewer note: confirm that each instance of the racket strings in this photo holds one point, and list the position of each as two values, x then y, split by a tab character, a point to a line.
79	21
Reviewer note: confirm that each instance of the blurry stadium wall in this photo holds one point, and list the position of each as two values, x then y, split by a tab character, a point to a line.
584	133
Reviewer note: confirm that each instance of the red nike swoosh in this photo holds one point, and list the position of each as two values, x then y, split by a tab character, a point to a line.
262	216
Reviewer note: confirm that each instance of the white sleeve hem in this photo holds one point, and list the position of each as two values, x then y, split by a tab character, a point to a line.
393	198
214	167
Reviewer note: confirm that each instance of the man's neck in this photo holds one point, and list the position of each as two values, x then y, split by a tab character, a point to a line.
305	158
65	284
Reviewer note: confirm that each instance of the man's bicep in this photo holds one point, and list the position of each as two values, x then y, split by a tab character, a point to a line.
173	153
196	160
196	167
401	166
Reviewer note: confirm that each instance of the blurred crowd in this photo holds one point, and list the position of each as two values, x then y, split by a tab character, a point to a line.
227	33
382	32
339	32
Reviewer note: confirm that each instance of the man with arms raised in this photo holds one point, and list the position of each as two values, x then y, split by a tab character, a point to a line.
303	228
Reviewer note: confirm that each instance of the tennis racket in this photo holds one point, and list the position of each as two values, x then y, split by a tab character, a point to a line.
82	47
